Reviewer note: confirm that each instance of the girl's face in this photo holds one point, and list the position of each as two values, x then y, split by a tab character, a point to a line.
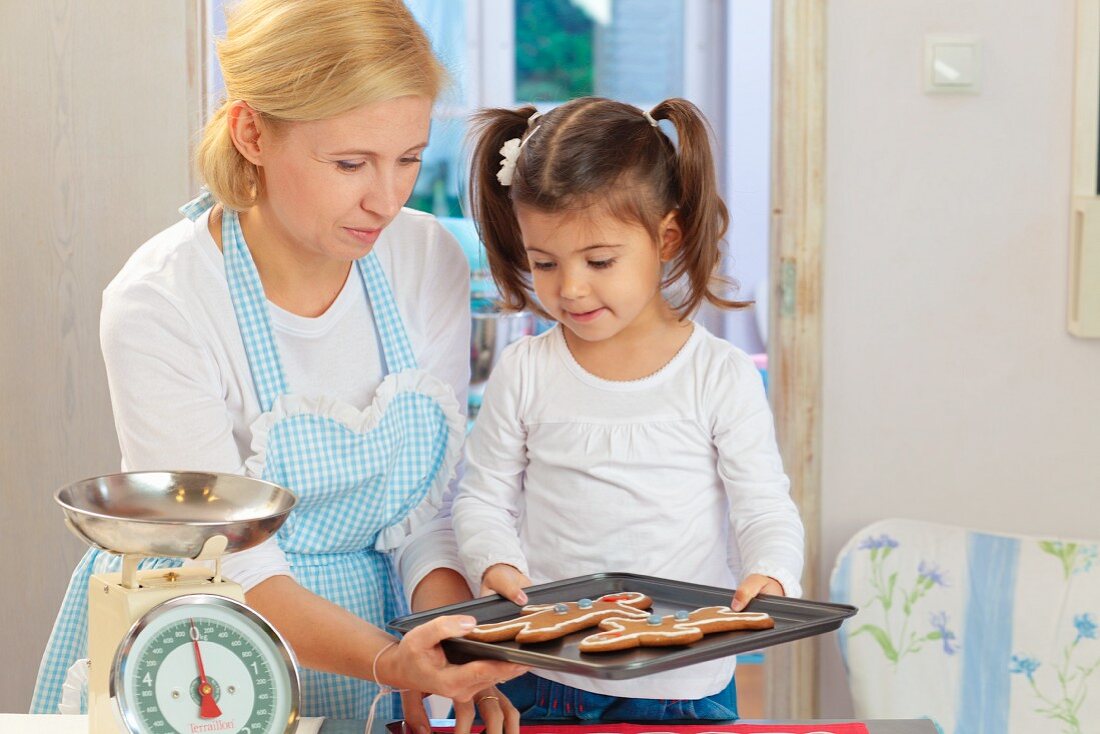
596	274
332	185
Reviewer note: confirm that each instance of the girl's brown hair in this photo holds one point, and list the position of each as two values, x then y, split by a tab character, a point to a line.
595	151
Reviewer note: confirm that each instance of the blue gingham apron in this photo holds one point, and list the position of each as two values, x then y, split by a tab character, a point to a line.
363	479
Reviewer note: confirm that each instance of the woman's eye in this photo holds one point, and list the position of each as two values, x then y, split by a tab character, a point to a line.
542	266
411	161
601	264
349	166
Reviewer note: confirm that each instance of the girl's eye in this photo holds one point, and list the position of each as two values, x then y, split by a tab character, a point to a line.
349	166
542	266
601	264
411	161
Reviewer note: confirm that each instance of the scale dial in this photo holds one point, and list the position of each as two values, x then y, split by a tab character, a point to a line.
205	663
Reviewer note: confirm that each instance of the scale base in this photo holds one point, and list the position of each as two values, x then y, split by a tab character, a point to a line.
112	611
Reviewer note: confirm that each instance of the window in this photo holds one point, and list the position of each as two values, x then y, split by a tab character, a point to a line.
511	52
717	53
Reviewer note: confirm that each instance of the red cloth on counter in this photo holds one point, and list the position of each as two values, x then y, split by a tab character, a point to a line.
658	728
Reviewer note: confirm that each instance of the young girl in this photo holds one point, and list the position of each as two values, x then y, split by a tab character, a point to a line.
626	438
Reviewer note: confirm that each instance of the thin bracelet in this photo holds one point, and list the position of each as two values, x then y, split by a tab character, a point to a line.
374	665
383	689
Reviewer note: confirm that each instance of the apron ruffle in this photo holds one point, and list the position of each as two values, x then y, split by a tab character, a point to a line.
415	381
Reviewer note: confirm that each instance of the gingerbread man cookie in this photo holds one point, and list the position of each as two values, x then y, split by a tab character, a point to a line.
681	628
542	622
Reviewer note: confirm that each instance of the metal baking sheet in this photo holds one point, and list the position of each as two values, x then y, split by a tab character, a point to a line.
794	619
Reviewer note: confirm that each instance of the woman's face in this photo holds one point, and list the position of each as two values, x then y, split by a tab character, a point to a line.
331	186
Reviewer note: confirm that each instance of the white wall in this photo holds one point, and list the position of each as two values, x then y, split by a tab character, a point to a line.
952	390
95	128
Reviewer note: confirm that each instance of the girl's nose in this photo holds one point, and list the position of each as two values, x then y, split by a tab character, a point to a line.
573	284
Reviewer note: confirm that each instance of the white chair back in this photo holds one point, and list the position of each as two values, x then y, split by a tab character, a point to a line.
982	632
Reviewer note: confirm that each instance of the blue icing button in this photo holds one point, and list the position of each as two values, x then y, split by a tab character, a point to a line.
682	615
585	604
654	619
561	608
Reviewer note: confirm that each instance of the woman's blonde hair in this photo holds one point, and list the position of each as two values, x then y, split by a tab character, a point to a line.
299	60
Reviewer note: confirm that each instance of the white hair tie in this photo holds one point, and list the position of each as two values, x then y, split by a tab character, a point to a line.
649	118
509	153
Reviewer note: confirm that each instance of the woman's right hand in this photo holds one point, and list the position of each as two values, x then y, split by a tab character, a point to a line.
505	580
418	662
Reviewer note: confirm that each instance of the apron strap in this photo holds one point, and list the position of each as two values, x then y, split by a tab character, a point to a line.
396	349
195	208
249	302
253	318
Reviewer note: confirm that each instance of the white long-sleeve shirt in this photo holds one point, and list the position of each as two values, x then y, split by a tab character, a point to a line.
180	384
676	475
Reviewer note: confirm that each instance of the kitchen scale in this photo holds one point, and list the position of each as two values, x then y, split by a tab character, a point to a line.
176	649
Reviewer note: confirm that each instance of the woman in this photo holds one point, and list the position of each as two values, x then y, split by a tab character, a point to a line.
299	326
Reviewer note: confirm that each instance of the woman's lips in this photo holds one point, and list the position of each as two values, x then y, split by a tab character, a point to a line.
366	236
585	316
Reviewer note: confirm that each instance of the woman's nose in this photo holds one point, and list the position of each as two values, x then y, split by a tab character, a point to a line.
383	197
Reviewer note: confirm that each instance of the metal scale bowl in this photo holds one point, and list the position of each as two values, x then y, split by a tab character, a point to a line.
134	613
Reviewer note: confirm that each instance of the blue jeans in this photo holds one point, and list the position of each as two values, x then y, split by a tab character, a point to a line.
538	699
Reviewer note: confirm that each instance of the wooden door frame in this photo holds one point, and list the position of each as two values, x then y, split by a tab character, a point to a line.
794	359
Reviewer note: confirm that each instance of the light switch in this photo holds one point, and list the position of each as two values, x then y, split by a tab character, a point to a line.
1084	268
952	64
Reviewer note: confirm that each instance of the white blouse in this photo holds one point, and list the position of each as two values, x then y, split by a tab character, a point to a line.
180	383
676	475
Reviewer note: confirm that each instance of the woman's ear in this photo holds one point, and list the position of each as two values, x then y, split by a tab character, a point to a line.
671	235
246	129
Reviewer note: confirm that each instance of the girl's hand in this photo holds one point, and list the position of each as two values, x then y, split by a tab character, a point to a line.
752	585
505	580
418	663
498	713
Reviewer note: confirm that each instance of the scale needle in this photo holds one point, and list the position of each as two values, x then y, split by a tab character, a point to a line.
208	707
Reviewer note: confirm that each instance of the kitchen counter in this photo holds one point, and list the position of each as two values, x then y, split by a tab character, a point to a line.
27	724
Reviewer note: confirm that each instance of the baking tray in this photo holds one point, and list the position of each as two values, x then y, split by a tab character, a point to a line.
794	619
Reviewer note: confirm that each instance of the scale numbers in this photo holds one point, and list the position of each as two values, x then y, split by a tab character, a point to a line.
204	663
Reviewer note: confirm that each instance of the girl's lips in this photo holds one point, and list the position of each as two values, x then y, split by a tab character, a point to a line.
366	236
585	316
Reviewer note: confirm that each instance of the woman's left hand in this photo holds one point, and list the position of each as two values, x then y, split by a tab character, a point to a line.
416	714
497	712
752	585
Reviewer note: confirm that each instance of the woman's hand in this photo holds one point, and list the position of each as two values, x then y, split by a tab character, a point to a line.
416	713
418	663
752	585
505	580
498	713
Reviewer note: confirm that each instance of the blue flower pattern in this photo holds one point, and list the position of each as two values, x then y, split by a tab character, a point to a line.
894	636
938	620
1062	693
1085	626
1024	665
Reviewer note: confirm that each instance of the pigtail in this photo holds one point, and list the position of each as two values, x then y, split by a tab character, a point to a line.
703	215
491	203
